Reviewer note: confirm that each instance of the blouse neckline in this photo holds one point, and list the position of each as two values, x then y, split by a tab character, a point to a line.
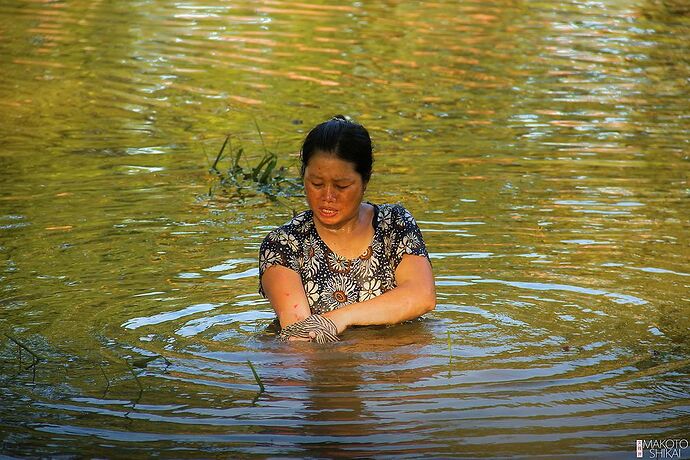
374	223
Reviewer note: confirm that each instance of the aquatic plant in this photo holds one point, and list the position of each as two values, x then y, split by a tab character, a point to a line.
35	357
256	377
264	177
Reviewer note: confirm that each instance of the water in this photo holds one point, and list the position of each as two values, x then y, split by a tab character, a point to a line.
541	145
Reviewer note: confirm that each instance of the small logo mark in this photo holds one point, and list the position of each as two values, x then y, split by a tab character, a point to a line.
640	450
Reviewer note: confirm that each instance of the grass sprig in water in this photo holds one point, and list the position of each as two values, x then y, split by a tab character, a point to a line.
256	377
263	177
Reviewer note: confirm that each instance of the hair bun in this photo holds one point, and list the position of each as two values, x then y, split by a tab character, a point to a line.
339	118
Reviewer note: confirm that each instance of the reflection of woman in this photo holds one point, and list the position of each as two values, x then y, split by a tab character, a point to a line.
344	262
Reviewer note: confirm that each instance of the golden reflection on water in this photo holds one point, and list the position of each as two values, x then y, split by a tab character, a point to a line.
542	147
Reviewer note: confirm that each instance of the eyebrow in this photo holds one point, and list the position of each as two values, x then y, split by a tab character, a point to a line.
337	179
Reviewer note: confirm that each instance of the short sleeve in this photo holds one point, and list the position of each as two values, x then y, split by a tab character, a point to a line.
280	247
407	237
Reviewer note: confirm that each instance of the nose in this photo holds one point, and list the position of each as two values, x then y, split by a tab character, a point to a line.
330	193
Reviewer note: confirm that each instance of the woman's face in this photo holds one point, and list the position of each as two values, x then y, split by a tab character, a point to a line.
334	189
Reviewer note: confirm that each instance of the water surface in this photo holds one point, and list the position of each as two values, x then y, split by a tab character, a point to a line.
541	145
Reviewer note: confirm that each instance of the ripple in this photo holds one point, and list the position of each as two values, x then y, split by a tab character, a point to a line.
141	321
197	326
538	286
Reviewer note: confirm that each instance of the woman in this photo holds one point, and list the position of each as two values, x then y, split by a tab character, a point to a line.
344	262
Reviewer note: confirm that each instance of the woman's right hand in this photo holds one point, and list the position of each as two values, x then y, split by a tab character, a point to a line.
315	328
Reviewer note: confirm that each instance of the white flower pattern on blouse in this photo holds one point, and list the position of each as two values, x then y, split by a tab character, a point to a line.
331	281
339	291
367	263
288	239
370	288
313	256
311	289
270	257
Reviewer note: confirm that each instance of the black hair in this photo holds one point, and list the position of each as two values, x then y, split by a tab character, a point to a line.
346	139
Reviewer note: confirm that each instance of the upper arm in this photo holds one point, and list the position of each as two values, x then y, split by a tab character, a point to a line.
283	288
280	282
406	236
413	267
415	271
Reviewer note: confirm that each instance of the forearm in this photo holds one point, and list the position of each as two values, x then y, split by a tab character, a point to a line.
284	290
400	304
288	315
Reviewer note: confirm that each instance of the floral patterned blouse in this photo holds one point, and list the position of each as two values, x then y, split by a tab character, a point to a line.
331	281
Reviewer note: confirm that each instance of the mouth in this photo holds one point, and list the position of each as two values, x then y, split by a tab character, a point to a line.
328	212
